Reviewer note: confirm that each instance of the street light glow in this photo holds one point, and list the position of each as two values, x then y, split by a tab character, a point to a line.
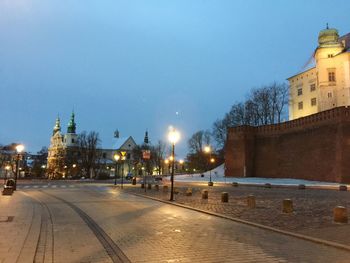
20	148
207	149
173	135
116	157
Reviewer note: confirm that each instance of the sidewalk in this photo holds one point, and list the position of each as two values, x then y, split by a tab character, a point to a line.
19	228
312	216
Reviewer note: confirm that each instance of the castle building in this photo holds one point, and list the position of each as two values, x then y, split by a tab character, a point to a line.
324	82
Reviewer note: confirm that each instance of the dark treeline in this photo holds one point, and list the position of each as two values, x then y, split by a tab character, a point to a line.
262	106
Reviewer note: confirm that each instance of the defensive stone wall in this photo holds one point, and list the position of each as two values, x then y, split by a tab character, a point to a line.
316	147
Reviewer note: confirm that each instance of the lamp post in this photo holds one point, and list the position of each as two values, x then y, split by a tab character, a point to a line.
7	168
123	157
116	157
207	149
19	149
173	137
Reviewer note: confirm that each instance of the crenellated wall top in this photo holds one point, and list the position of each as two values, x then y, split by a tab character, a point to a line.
319	119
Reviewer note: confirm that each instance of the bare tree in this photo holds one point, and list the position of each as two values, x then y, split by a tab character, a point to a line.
158	154
263	106
88	151
198	140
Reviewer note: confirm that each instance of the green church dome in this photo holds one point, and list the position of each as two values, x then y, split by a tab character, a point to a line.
328	37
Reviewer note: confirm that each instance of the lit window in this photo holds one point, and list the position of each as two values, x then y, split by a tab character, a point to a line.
331	76
300	91
313	102
300	105
312	87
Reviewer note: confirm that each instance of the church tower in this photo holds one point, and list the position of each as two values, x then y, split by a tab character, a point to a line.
70	138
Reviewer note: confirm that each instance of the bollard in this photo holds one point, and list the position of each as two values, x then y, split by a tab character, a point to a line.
340	214
251	201
343	188
156	187
210	183
204	194
301	186
165	188
134	181
189	192
234	184
287	206
142	185
224	197
267	185
149	186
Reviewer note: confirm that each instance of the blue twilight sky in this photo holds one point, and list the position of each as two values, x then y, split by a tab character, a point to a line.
134	64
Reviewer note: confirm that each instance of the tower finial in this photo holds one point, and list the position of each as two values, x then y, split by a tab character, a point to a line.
72	125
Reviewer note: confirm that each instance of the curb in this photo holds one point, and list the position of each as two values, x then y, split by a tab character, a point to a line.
284	232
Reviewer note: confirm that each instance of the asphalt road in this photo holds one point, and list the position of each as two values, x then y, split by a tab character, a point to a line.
76	222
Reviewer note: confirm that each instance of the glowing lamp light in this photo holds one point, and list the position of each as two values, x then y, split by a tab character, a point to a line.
212	160
116	157
20	148
181	161
207	149
173	136
7	167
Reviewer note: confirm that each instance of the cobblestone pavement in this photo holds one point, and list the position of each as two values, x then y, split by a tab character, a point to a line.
313	208
145	230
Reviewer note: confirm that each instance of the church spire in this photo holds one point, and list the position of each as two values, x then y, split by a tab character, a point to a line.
57	126
71	125
146	141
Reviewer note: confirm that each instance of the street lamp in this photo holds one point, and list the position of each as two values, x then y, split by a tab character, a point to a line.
207	149
19	150
7	168
174	137
116	157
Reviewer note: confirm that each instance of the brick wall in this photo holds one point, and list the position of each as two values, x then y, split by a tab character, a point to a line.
316	147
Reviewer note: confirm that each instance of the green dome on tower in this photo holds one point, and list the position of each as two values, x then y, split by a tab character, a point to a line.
328	37
71	125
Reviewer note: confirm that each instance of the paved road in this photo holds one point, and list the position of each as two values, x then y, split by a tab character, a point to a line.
94	223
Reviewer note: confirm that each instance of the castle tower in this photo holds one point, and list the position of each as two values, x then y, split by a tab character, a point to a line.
329	69
324	83
70	138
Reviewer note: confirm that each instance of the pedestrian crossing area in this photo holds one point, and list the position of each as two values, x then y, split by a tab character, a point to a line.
58	186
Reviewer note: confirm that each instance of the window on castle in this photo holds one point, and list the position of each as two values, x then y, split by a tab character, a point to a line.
330	55
313	102
312	87
300	91
331	76
330	95
300	105
104	155
72	140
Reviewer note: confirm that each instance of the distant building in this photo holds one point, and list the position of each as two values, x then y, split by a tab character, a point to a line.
63	149
64	156
325	81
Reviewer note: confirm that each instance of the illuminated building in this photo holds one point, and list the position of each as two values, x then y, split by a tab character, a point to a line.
324	82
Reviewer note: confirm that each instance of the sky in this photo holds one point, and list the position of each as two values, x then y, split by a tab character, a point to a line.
137	65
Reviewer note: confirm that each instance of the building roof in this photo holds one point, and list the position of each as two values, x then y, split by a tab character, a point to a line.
120	143
311	63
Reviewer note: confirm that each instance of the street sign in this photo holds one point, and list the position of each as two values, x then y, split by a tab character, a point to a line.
146	154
